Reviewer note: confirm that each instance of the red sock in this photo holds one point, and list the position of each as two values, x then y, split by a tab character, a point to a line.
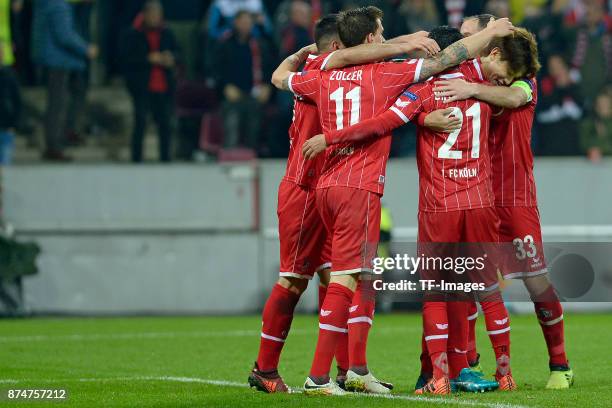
435	328
472	354
277	316
361	313
550	314
426	368
498	328
332	323
458	328
341	355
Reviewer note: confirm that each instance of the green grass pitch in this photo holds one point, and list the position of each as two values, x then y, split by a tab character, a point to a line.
204	361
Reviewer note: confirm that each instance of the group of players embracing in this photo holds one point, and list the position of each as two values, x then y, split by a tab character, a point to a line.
472	93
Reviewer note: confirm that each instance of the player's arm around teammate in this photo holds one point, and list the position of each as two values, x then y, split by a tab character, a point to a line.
512	97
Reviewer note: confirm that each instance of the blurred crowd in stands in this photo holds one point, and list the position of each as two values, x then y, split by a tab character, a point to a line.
200	69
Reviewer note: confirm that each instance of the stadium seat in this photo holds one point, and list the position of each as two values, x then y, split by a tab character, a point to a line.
211	132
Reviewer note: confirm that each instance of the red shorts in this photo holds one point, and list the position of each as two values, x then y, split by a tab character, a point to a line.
352	219
461	234
521	227
304	247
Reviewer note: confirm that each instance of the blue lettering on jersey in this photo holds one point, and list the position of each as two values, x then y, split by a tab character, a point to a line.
410	95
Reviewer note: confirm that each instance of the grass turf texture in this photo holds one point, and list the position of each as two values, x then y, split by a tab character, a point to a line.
204	361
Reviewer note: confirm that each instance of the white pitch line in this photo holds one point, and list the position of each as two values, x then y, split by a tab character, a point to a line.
223	383
172	335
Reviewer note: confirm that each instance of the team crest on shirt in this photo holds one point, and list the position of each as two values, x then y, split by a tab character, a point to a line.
381	179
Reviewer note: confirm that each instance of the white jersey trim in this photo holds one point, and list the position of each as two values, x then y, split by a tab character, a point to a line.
326	60
417	72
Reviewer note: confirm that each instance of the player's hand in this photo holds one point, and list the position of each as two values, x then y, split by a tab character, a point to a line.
442	120
420	41
313	146
453	90
304	52
501	27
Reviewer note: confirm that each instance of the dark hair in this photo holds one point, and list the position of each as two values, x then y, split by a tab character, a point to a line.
445	35
520	50
355	25
483	19
326	30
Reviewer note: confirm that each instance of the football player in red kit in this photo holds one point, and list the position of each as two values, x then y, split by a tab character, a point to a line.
455	190
516	202
352	182
304	247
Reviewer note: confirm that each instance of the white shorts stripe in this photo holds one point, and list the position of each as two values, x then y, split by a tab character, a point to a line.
520	275
474	316
332	328
436	337
360	319
500	331
351	271
552	322
267	336
294	275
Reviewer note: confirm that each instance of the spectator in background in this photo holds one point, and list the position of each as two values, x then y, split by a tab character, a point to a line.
297	32
419	15
10	107
456	10
395	23
183	18
149	54
222	13
520	9
57	47
592	56
243	70
81	10
499	8
559	111
6	9
547	24
282	13
596	129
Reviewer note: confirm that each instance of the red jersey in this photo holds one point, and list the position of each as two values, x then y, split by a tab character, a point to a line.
346	97
305	124
511	156
454	169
